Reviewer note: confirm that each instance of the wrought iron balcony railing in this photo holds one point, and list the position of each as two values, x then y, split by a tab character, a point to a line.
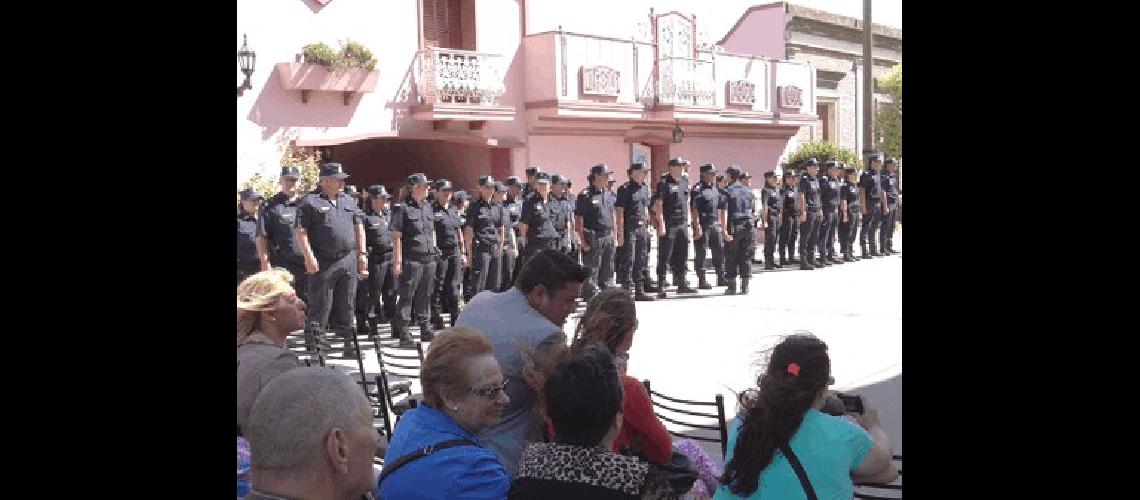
451	76
686	82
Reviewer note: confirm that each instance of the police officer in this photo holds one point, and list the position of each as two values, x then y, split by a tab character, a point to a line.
512	207
873	204
413	261
632	207
376	298
509	246
706	200
809	197
890	182
538	222
528	188
483	236
829	195
248	262
673	233
595	220
461	201
353	194
452	254
738	233
790	214
852	213
330	232
276	246
564	213
770	203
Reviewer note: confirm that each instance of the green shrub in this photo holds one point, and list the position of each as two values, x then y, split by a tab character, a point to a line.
351	55
356	55
822	151
320	54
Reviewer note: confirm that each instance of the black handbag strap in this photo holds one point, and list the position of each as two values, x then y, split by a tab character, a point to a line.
800	472
420	453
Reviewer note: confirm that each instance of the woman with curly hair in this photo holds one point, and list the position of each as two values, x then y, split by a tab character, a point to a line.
784	416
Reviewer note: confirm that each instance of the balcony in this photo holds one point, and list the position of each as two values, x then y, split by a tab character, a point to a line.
581	80
462	85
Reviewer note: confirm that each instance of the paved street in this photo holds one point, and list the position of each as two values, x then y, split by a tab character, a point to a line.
693	347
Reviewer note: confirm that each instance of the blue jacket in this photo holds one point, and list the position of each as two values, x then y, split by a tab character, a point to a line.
467	472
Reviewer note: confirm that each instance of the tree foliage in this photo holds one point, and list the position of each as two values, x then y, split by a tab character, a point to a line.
308	163
888	117
822	151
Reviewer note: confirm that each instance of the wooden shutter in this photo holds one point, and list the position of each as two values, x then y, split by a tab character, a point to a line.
435	23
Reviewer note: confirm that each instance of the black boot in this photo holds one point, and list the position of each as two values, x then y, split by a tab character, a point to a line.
661	286
744	285
731	290
362	326
720	278
650	285
400	331
426	333
640	295
683	285
768	264
437	321
702	283
783	262
863	251
805	263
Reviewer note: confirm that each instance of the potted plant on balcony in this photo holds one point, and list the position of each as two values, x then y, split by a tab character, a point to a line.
351	70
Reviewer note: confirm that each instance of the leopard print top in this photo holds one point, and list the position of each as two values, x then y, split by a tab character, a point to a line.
577	464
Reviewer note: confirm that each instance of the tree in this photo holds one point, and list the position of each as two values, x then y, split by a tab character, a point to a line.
822	151
307	163
889	115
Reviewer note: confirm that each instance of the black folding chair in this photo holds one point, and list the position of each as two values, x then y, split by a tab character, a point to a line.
893	491
380	418
721	426
399	366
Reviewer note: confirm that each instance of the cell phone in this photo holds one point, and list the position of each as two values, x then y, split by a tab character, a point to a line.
851	404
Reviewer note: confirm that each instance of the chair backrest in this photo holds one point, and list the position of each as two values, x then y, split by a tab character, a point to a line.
382	420
402	361
678	411
892	491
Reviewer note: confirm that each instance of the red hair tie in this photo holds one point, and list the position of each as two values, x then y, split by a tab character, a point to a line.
794	369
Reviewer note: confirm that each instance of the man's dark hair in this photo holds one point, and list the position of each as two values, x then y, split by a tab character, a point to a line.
551	268
583	393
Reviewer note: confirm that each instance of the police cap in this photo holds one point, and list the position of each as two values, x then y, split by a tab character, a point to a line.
443	184
708	167
290	172
378	190
638	166
486	180
542	177
511	181
333	169
732	171
601	169
248	194
416	179
678	161
352	190
531	170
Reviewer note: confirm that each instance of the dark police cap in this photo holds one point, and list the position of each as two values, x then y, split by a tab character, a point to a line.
442	184
543	177
638	166
678	161
889	161
289	172
708	167
417	179
460	195
511	181
732	171
378	190
850	170
601	169
769	174
746	175
352	190
719	177
809	162
333	169
500	188
831	164
248	194
486	180
789	173
533	169
558	179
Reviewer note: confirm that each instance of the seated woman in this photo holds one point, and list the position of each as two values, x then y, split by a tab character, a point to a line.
583	398
784	414
463	394
267	311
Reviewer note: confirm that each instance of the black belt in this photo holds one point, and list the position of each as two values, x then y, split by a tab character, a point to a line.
602	232
328	257
746	220
634	222
709	222
673	221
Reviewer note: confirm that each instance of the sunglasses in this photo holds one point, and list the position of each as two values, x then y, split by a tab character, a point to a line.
490	392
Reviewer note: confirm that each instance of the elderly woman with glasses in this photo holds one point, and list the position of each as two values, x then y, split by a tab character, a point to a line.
435	450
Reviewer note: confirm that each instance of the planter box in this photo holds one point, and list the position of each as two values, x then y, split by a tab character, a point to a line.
309	77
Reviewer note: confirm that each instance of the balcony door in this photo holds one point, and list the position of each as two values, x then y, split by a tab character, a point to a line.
449	24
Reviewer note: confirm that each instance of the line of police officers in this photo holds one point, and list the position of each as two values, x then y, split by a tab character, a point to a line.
418	255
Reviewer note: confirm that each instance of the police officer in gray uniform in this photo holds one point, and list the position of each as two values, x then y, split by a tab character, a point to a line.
852	214
452	257
484	237
890	182
790	215
564	213
874	206
276	246
809	197
512	207
829	194
594	221
738	233
706	201
632	207
376	298
770	217
248	262
538	221
330	231
673	232
413	262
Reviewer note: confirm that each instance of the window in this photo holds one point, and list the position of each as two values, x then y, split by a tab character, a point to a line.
449	24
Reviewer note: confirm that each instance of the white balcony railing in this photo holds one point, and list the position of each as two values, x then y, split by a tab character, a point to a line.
450	76
686	82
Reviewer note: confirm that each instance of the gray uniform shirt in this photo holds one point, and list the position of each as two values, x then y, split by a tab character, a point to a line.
510	323
258	361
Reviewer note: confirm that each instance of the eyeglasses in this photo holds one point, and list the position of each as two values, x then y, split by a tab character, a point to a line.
490	392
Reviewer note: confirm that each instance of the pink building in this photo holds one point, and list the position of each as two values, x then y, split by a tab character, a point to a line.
463	88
